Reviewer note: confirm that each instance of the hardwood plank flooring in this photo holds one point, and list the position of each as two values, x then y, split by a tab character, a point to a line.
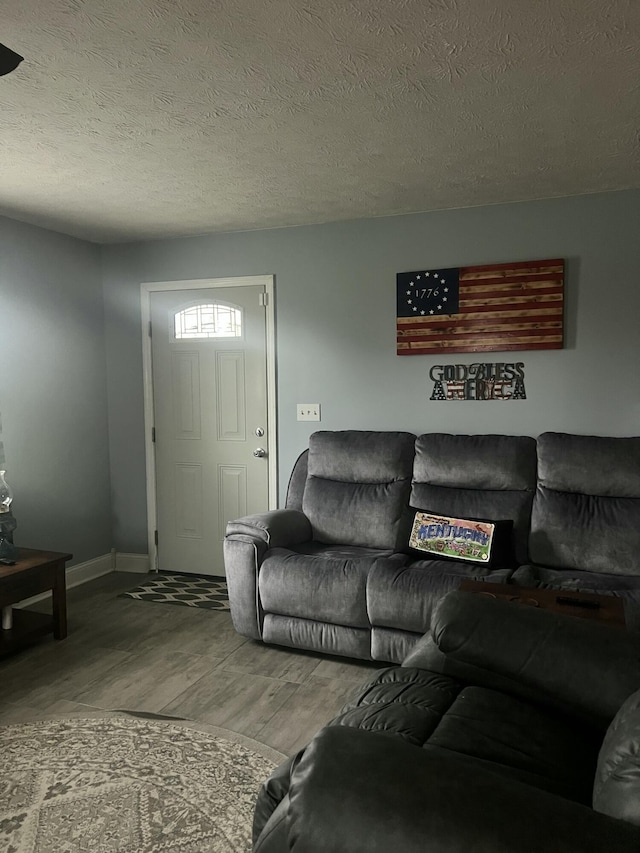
147	681
243	703
290	728
179	661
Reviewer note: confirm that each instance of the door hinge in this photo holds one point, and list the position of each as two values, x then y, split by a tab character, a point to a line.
155	537
153	435
263	299
150	333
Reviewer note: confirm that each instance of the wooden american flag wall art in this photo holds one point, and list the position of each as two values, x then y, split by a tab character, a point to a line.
493	308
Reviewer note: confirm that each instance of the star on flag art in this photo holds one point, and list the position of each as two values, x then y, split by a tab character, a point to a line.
493	308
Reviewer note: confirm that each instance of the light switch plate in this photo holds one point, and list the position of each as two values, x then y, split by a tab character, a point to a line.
308	411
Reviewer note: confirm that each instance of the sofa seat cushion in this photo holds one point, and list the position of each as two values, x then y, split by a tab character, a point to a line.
545	751
347	552
401	701
501	732
403	596
321	583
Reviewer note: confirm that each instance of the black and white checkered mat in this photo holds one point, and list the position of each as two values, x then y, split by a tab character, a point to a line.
190	590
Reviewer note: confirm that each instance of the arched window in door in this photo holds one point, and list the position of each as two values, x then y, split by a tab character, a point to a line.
211	320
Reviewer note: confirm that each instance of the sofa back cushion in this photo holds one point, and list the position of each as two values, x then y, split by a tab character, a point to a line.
587	506
357	487
616	789
477	476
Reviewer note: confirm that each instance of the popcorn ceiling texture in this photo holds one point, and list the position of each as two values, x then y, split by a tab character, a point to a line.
153	118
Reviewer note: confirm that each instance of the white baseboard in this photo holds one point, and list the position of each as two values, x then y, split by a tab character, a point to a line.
138	563
89	570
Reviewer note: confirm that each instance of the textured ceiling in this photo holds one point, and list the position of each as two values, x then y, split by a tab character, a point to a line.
154	118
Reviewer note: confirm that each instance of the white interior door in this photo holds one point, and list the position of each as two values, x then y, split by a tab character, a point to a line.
209	379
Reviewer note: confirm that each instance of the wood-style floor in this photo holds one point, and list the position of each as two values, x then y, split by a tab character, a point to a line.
123	654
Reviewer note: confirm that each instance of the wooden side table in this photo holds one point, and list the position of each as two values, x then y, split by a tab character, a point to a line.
589	605
34	572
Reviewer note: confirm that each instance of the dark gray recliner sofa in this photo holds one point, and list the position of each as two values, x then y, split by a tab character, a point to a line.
331	572
513	730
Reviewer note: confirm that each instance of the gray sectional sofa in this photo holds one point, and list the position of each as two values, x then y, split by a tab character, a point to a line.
331	572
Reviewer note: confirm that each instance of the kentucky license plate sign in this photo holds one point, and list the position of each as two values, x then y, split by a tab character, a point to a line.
452	537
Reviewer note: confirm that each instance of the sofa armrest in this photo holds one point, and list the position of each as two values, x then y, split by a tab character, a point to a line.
358	792
271	794
585	665
280	528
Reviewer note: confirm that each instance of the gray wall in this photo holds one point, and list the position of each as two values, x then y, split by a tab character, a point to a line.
53	390
335	292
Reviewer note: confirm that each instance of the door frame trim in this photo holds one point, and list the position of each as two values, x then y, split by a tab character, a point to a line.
146	289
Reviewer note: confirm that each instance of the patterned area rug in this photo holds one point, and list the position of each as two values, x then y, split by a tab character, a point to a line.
194	591
112	783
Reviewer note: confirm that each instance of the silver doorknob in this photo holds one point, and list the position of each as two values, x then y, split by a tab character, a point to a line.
259	432
258	452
